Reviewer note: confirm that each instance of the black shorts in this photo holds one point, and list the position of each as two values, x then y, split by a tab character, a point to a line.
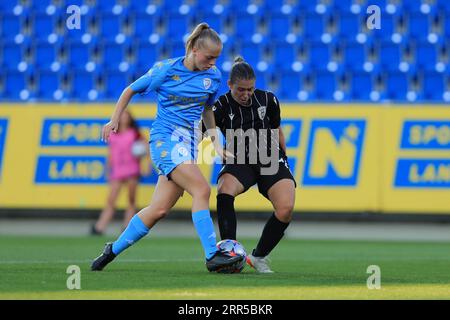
250	174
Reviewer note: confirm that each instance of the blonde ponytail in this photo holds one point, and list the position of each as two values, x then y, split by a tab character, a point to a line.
199	35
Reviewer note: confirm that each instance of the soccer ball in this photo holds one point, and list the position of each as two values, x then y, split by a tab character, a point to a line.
139	149
232	248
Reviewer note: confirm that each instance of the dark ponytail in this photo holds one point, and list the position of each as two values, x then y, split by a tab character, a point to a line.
241	70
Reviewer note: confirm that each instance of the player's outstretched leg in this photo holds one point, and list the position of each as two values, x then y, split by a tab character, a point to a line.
135	230
102	260
190	178
165	196
282	196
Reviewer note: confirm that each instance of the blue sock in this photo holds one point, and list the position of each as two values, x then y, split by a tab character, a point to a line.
135	230
205	230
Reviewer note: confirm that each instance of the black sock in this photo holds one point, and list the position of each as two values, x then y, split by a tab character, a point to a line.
226	216
271	235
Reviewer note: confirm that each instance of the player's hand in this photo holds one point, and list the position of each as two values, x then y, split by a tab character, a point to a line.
224	154
111	126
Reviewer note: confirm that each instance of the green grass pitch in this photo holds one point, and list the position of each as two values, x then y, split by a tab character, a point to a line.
173	268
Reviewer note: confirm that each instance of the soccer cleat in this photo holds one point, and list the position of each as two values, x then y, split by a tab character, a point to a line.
261	264
221	262
102	260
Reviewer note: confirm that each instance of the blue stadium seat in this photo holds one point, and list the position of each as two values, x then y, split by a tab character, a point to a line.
79	55
82	84
444	5
214	21
45	54
48	83
172	6
361	86
146	55
176	48
313	26
43	26
261	80
389	56
284	54
177	26
8	6
106	6
426	56
349	25
145	25
245	26
289	84
388	27
110	26
325	85
354	56
280	26
433	86
251	53
12	55
11	26
139	5
418	26
114	54
16	82
115	83
447	26
396	86
307	6
342	5
319	55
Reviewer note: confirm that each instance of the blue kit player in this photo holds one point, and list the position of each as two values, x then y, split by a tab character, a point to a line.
186	89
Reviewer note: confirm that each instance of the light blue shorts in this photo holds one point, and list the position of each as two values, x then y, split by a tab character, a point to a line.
168	152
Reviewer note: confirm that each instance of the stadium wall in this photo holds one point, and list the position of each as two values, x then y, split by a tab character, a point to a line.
345	158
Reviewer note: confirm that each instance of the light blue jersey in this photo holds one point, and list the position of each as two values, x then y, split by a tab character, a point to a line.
182	95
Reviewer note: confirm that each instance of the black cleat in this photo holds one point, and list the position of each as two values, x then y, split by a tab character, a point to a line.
102	260
220	262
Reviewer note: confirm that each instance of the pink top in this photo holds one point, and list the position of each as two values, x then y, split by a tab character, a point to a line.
122	162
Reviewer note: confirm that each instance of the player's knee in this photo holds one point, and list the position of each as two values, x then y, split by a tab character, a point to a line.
160	213
228	187
284	212
203	191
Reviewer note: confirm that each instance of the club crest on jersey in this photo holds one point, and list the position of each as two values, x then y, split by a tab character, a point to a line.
262	112
207	83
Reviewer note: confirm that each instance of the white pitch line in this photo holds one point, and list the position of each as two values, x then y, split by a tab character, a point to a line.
89	261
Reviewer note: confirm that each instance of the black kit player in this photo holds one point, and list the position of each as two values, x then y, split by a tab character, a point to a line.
242	110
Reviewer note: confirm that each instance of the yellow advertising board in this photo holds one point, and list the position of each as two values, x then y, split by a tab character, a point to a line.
348	158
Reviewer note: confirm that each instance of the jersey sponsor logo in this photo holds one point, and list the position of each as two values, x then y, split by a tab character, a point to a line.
334	152
207	83
3	128
262	112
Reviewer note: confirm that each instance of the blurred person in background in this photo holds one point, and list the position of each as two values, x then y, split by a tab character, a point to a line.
126	148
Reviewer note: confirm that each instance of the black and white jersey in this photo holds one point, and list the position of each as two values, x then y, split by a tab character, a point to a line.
263	113
260	116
